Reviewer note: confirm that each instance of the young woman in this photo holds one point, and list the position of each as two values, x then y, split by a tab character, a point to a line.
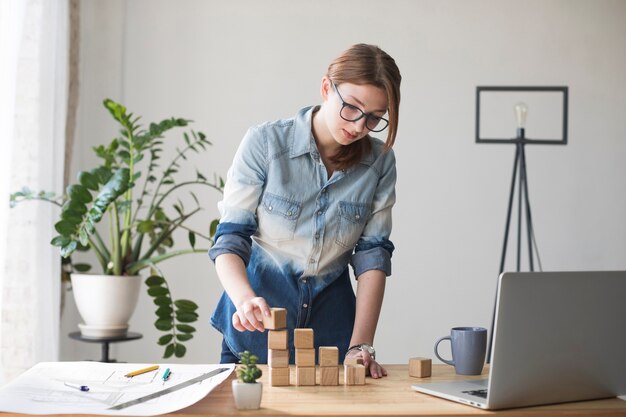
305	197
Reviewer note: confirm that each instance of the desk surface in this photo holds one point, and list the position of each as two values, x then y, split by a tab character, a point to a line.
391	395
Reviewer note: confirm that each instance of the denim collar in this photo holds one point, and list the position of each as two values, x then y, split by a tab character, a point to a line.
303	141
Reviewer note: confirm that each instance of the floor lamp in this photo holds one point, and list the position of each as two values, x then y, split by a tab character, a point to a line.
519	181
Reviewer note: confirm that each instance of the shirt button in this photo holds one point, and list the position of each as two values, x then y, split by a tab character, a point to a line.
288	213
323	190
317	236
305	305
270	208
312	261
304	281
357	217
319	212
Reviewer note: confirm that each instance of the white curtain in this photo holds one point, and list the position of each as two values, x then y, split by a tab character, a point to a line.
33	100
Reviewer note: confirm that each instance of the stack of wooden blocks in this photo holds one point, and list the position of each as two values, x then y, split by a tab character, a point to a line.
303	340
278	356
329	365
277	347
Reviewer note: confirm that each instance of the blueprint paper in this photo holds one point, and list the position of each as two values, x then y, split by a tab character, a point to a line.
43	390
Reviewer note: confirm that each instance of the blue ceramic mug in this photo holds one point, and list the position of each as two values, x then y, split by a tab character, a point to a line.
468	349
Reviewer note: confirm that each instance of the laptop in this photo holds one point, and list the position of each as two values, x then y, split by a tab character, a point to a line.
558	337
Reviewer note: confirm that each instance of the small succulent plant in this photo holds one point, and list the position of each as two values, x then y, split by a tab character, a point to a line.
248	372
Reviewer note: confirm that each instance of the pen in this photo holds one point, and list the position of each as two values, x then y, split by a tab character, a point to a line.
166	375
83	388
142	371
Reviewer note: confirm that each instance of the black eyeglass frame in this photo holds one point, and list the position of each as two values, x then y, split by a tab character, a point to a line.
368	116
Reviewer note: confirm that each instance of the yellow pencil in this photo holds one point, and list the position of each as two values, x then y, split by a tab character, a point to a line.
142	371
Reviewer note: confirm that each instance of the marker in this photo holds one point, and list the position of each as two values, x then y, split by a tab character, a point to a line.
166	375
83	388
142	371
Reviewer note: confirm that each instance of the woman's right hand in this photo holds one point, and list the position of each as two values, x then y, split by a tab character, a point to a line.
249	314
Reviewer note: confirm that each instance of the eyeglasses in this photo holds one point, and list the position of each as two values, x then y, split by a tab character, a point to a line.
351	113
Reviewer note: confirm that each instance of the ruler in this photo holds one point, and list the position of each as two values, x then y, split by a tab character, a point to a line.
168	390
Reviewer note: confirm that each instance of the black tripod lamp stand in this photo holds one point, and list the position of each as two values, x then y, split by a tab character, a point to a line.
549	102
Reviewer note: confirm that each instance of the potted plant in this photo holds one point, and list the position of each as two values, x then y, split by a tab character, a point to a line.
130	188
246	390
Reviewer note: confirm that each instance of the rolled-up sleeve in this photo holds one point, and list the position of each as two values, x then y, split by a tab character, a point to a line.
374	249
243	188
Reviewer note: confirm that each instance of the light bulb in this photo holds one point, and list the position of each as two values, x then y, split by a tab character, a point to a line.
521	112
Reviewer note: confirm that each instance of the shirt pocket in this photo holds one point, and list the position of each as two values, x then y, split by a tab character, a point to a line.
278	217
352	219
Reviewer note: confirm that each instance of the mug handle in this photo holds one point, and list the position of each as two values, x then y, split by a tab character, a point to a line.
437	353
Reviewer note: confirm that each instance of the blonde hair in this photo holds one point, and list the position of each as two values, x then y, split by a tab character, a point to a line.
364	64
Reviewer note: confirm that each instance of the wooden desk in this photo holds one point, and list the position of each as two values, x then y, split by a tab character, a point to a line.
391	395
388	396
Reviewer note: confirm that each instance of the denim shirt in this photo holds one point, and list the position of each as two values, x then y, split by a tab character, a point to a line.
298	230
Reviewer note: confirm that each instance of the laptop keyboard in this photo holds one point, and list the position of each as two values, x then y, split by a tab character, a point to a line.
482	393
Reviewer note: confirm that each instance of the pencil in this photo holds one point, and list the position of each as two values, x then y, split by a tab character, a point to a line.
142	371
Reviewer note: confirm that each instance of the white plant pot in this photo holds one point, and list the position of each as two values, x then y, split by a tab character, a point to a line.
105	303
247	395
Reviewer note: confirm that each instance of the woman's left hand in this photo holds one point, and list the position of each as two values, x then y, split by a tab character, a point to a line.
374	368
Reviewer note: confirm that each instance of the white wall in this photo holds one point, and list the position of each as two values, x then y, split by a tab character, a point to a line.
228	65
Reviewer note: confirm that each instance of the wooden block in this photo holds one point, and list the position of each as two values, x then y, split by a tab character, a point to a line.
303	338
329	375
277	321
277	339
356	361
354	375
420	367
305	357
279	377
305	375
353	361
278	358
328	356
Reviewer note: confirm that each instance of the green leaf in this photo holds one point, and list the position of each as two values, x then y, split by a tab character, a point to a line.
184	336
186	317
60	241
200	177
154	280
68	249
164	311
82	267
65	227
117	110
83	237
79	193
157	291
163	324
162	300
145	226
75	207
71	217
213	227
169	351
185	328
186	305
102	174
192	239
180	350
88	180
165	339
